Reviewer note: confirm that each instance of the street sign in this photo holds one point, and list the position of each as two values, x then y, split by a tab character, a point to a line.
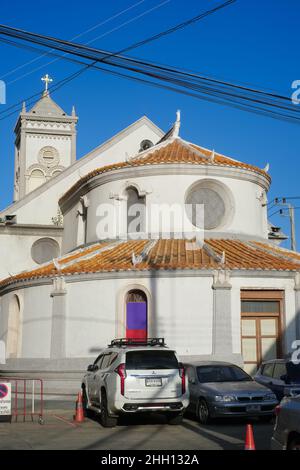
5	400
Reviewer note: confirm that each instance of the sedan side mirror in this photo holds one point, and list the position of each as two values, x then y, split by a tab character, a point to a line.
91	368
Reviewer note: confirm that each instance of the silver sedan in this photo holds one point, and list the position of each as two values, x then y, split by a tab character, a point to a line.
220	389
287	428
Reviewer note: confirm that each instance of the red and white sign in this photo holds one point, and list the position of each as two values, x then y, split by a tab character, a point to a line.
5	399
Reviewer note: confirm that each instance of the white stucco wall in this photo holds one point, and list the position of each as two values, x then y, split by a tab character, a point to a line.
179	309
15	253
248	217
37	318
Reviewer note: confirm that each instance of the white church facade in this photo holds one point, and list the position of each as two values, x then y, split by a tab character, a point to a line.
69	283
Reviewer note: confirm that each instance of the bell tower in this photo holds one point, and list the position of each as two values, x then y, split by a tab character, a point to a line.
45	143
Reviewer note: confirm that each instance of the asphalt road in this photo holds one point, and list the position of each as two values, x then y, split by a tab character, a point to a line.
144	432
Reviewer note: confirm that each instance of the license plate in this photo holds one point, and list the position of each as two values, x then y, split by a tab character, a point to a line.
157	382
253	408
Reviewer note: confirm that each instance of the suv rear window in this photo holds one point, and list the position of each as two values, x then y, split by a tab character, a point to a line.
138	360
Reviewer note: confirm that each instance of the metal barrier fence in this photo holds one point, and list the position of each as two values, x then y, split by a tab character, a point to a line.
27	398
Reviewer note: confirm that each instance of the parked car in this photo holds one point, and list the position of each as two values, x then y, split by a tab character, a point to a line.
132	376
286	434
220	389
282	376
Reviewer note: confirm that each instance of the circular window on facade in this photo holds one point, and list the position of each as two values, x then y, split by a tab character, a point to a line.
145	145
44	249
208	204
48	156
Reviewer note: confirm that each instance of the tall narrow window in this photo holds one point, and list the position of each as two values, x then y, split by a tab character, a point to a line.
135	211
82	222
136	315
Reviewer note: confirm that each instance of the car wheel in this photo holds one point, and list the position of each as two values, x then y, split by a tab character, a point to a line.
106	420
175	419
294	444
203	412
87	413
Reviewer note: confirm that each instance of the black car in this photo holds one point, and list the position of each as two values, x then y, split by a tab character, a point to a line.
282	376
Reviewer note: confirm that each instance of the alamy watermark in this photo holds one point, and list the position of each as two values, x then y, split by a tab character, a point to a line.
152	221
296	94
295	358
2	92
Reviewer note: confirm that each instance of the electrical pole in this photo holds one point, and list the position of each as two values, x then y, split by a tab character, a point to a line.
292	222
291	216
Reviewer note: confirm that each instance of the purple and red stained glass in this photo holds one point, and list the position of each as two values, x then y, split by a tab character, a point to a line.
136	320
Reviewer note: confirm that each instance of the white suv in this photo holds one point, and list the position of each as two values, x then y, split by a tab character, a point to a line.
132	376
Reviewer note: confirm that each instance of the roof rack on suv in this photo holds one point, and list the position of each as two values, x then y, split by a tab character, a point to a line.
122	342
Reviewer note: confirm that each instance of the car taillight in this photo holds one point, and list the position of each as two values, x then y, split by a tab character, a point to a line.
277	410
121	371
182	375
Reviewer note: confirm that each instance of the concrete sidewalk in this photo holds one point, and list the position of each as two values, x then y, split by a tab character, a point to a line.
137	432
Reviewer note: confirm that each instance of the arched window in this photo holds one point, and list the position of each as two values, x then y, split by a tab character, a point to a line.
82	212
136	315
56	172
36	179
14	328
136	211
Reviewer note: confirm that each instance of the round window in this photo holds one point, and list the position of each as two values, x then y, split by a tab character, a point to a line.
145	145
207	205
44	249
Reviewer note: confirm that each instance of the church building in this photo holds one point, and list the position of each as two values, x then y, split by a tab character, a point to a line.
76	271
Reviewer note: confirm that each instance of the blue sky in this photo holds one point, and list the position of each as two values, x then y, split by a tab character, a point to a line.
253	42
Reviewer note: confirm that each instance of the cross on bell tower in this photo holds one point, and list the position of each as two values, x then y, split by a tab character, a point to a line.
46	79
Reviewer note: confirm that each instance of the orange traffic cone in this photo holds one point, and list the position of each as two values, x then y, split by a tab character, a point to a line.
249	443
79	416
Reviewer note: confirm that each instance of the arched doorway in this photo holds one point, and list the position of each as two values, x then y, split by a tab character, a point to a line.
13	331
136	315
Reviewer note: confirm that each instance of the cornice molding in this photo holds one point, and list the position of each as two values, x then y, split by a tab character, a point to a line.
146	274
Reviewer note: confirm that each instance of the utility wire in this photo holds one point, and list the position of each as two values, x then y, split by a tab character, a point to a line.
226	93
283	209
92	28
131	47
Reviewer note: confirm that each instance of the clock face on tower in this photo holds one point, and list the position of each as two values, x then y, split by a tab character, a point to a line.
48	156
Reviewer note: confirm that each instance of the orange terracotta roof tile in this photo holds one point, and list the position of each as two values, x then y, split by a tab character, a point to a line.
176	151
171	254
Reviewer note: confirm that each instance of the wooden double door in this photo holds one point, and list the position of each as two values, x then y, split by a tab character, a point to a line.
260	327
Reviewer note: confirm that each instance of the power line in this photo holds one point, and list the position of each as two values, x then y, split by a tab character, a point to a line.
131	47
278	200
92	28
226	93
